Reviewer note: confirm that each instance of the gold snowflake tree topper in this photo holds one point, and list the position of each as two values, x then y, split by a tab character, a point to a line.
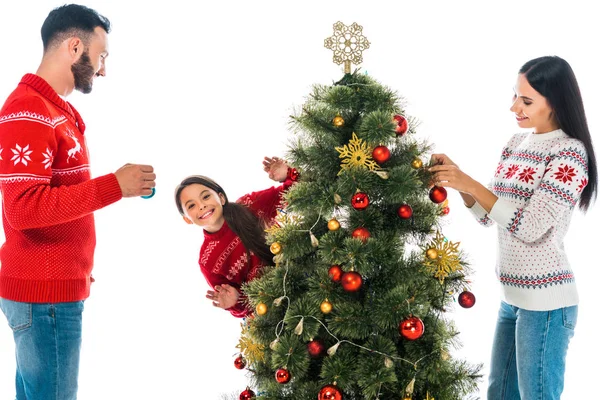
347	44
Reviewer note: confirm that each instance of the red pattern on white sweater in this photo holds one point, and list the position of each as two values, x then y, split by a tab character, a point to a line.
537	193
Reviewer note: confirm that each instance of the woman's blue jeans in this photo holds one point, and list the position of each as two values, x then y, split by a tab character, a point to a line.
47	345
529	352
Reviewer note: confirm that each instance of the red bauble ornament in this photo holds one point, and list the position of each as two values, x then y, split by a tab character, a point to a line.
351	281
247	395
239	362
330	392
405	211
466	299
282	376
335	273
402	127
316	348
381	154
361	233
293	174
438	194
411	328
360	200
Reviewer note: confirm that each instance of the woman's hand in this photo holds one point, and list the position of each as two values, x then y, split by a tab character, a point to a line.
224	296
447	174
441	159
276	168
451	176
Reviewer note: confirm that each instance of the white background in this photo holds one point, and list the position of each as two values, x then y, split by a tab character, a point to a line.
207	89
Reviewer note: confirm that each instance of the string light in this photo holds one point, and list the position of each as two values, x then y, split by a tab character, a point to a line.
332	350
280	326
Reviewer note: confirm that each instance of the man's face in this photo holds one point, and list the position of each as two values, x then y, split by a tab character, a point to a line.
91	63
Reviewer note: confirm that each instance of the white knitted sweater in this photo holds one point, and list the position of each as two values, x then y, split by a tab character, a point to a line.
538	182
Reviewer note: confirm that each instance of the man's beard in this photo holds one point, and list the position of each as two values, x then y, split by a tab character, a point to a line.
83	72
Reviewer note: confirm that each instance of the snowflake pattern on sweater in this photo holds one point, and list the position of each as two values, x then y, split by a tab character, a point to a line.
48	197
538	181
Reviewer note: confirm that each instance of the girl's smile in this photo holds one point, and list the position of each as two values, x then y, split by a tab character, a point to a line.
203	206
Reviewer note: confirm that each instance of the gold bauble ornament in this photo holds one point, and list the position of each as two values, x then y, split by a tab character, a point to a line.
261	308
338	121
333	224
326	307
444	204
432	254
417	163
407	398
275	248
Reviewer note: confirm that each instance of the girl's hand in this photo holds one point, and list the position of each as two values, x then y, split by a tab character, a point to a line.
224	296
276	168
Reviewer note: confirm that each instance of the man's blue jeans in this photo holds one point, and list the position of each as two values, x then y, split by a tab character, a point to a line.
47	346
529	352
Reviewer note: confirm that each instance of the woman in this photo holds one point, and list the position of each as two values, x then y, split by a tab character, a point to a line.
540	178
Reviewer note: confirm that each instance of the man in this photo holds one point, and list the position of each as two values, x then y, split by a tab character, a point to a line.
48	204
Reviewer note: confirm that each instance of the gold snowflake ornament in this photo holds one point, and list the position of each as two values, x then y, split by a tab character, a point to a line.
252	351
283	219
447	260
347	44
357	154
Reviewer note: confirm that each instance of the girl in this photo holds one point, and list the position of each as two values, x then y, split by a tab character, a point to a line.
234	248
540	178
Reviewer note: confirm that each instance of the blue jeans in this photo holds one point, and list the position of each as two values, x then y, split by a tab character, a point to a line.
529	351
47	345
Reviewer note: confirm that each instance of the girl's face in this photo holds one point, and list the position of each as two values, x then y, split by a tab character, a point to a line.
202	206
531	108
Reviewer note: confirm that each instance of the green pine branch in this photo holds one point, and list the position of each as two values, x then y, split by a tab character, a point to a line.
368	358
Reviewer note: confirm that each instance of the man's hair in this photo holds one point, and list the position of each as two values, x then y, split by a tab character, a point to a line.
71	20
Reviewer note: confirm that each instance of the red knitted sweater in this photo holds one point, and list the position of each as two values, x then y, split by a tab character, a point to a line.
47	197
223	257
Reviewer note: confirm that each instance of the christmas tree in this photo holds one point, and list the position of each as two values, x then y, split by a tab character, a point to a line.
355	307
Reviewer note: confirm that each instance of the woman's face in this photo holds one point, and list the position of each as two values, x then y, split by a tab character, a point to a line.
531	108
